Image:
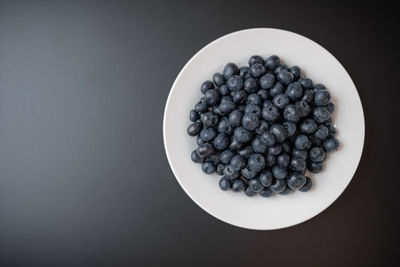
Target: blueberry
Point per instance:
(264, 126)
(266, 178)
(199, 141)
(279, 131)
(250, 85)
(248, 174)
(202, 99)
(235, 144)
(213, 158)
(308, 96)
(328, 122)
(285, 77)
(295, 70)
(322, 132)
(225, 127)
(315, 141)
(253, 109)
(277, 89)
(256, 59)
(226, 98)
(242, 135)
(332, 130)
(267, 104)
(225, 183)
(224, 90)
(230, 173)
(279, 172)
(316, 154)
(235, 83)
(225, 156)
(291, 113)
(256, 162)
(267, 81)
(213, 97)
(294, 91)
(205, 149)
(238, 162)
(257, 70)
(303, 107)
(307, 185)
(272, 62)
(194, 115)
(254, 99)
(264, 94)
(195, 157)
(209, 119)
(320, 114)
(306, 83)
(267, 192)
(314, 167)
(270, 160)
(299, 154)
(218, 79)
(258, 146)
(215, 110)
(235, 118)
(280, 101)
(206, 86)
(298, 164)
(279, 68)
(296, 180)
(226, 107)
(194, 128)
(238, 185)
(221, 142)
(229, 70)
(290, 127)
(241, 108)
(248, 192)
(255, 185)
(239, 96)
(246, 151)
(285, 192)
(302, 142)
(275, 150)
(308, 126)
(244, 72)
(319, 86)
(208, 168)
(220, 169)
(270, 113)
(283, 160)
(278, 185)
(267, 138)
(201, 107)
(331, 144)
(208, 134)
(250, 121)
(321, 97)
(330, 107)
(286, 147)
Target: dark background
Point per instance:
(84, 180)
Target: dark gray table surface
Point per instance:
(84, 180)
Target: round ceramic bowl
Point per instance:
(277, 211)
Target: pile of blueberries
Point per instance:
(261, 127)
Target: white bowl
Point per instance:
(277, 211)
